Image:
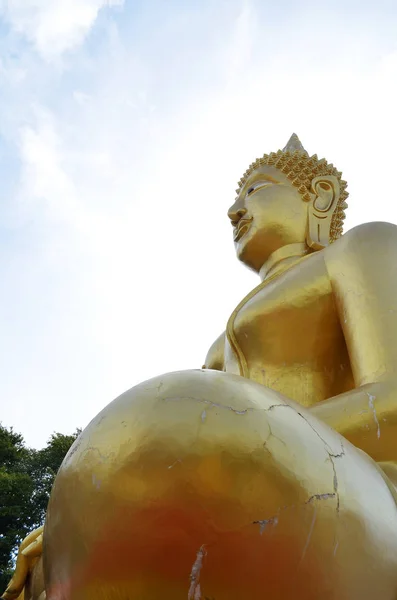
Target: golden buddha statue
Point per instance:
(269, 473)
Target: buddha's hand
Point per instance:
(30, 549)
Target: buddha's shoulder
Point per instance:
(368, 239)
(377, 230)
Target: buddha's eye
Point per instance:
(258, 185)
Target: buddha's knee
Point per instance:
(213, 476)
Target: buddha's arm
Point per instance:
(363, 271)
(215, 355)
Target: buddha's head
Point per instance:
(287, 197)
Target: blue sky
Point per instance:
(124, 129)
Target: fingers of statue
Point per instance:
(35, 548)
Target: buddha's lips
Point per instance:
(241, 229)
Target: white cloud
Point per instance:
(53, 26)
(244, 32)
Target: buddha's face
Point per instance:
(268, 213)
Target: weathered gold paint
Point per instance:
(270, 472)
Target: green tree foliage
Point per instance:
(26, 479)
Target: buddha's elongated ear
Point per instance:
(324, 201)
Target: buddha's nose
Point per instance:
(236, 212)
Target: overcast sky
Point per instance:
(124, 128)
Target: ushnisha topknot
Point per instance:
(301, 169)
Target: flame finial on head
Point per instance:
(294, 145)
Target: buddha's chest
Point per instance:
(287, 336)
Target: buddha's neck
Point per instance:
(282, 258)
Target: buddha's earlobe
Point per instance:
(324, 201)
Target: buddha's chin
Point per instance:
(249, 261)
(248, 253)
